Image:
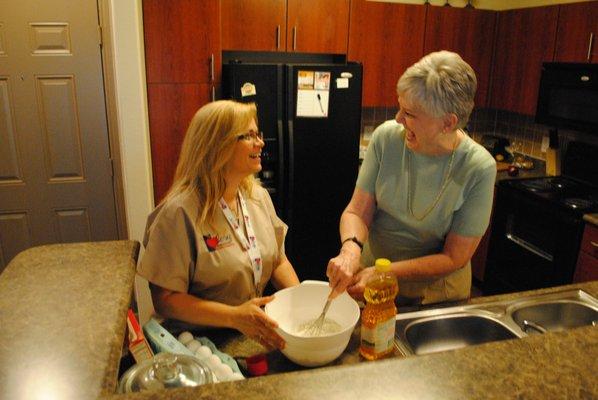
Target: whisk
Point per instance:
(315, 328)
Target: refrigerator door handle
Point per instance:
(281, 173)
(291, 175)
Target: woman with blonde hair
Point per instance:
(214, 242)
(424, 192)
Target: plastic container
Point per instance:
(378, 316)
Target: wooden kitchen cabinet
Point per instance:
(524, 39)
(577, 33)
(170, 108)
(587, 262)
(386, 38)
(468, 32)
(307, 26)
(182, 41)
(183, 67)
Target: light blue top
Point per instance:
(464, 207)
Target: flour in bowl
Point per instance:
(328, 327)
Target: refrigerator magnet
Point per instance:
(342, 83)
(248, 89)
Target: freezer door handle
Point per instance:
(281, 173)
(291, 179)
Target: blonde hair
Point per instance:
(441, 83)
(208, 146)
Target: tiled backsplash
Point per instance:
(525, 136)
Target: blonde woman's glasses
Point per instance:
(251, 136)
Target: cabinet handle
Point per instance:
(295, 37)
(594, 244)
(213, 93)
(211, 67)
(277, 37)
(590, 43)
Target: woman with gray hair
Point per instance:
(424, 193)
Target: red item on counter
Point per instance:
(138, 345)
(257, 365)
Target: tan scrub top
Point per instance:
(209, 261)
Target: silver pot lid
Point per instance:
(165, 370)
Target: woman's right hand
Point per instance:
(251, 320)
(341, 269)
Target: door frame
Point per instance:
(123, 64)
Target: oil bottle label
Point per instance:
(379, 338)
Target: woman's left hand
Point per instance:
(357, 287)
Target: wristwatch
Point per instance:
(354, 240)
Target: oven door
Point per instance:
(533, 243)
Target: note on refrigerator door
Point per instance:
(313, 90)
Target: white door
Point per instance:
(55, 166)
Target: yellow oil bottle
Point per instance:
(378, 316)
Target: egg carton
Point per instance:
(224, 366)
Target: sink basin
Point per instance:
(554, 316)
(439, 329)
(453, 332)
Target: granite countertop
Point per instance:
(553, 365)
(63, 318)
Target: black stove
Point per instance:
(568, 193)
(538, 224)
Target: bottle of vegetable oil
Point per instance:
(378, 316)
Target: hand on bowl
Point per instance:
(249, 319)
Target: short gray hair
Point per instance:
(441, 83)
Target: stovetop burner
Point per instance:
(579, 204)
(572, 194)
(548, 184)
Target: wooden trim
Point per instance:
(107, 49)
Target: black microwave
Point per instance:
(568, 96)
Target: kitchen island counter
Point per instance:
(554, 365)
(63, 319)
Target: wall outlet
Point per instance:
(544, 145)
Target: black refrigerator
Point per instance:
(310, 115)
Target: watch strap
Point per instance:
(354, 240)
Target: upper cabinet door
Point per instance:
(525, 38)
(468, 32)
(577, 33)
(318, 26)
(387, 38)
(258, 25)
(182, 40)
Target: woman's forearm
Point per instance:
(188, 308)
(423, 268)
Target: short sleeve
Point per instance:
(170, 250)
(280, 228)
(473, 216)
(368, 173)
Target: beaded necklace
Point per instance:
(445, 182)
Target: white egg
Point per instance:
(213, 361)
(185, 338)
(193, 345)
(223, 372)
(203, 352)
(237, 376)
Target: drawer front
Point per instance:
(589, 242)
(587, 268)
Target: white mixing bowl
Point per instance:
(294, 306)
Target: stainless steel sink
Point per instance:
(554, 316)
(454, 331)
(451, 328)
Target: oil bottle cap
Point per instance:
(382, 264)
